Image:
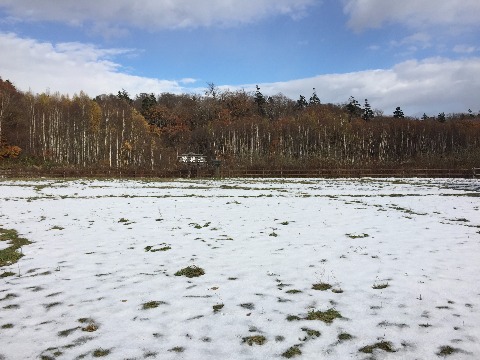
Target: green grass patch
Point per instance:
(248, 306)
(190, 272)
(56, 227)
(447, 350)
(325, 316)
(152, 304)
(292, 352)
(293, 291)
(7, 326)
(150, 248)
(311, 333)
(6, 274)
(255, 340)
(293, 318)
(460, 220)
(149, 354)
(198, 226)
(344, 337)
(165, 248)
(357, 236)
(11, 254)
(50, 305)
(101, 352)
(217, 308)
(321, 286)
(382, 345)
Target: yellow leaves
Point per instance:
(127, 146)
(139, 120)
(95, 116)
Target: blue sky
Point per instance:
(422, 55)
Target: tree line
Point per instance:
(242, 129)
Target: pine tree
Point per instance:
(367, 112)
(314, 100)
(441, 117)
(398, 113)
(302, 102)
(147, 101)
(260, 101)
(424, 116)
(123, 95)
(353, 107)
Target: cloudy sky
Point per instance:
(422, 55)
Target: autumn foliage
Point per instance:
(10, 152)
(241, 129)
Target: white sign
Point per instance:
(192, 159)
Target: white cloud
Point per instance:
(70, 68)
(432, 86)
(187, 81)
(153, 14)
(414, 13)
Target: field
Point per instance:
(240, 269)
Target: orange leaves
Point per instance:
(10, 152)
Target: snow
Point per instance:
(255, 239)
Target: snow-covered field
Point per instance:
(401, 257)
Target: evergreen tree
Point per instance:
(302, 102)
(314, 100)
(441, 117)
(123, 95)
(260, 101)
(367, 112)
(424, 116)
(398, 113)
(147, 101)
(353, 107)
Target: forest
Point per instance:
(241, 129)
